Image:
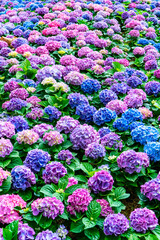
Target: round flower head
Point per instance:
(78, 201)
(101, 181)
(115, 224)
(151, 189)
(65, 155)
(144, 134)
(19, 122)
(152, 88)
(85, 112)
(132, 161)
(76, 99)
(19, 93)
(53, 172)
(103, 131)
(153, 150)
(74, 78)
(146, 112)
(66, 124)
(22, 177)
(107, 95)
(133, 101)
(132, 115)
(37, 159)
(14, 104)
(95, 151)
(71, 181)
(83, 135)
(10, 86)
(134, 81)
(7, 129)
(6, 147)
(105, 207)
(103, 115)
(47, 235)
(90, 86)
(117, 105)
(50, 207)
(112, 140)
(27, 137)
(138, 92)
(7, 205)
(52, 112)
(53, 138)
(143, 219)
(121, 124)
(25, 232)
(62, 232)
(139, 51)
(135, 124)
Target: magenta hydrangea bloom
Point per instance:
(53, 172)
(10, 86)
(83, 135)
(71, 181)
(115, 224)
(7, 205)
(95, 150)
(6, 147)
(42, 128)
(3, 175)
(101, 181)
(53, 138)
(117, 105)
(66, 124)
(50, 207)
(19, 93)
(132, 161)
(105, 207)
(7, 129)
(74, 78)
(78, 201)
(143, 219)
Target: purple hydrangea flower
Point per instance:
(105, 207)
(115, 224)
(103, 131)
(112, 140)
(67, 124)
(76, 99)
(6, 147)
(19, 122)
(62, 232)
(49, 235)
(15, 104)
(95, 150)
(86, 112)
(103, 115)
(151, 189)
(53, 172)
(22, 177)
(52, 112)
(65, 155)
(25, 232)
(42, 128)
(107, 95)
(132, 161)
(152, 88)
(101, 181)
(37, 159)
(143, 219)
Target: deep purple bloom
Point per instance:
(95, 150)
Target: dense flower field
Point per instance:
(79, 120)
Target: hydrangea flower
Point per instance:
(153, 150)
(40, 129)
(103, 115)
(86, 112)
(76, 99)
(7, 129)
(22, 178)
(121, 124)
(52, 112)
(115, 224)
(132, 115)
(103, 131)
(144, 134)
(105, 207)
(71, 181)
(53, 138)
(27, 137)
(83, 135)
(90, 86)
(65, 155)
(62, 232)
(66, 124)
(3, 175)
(53, 172)
(143, 219)
(132, 161)
(50, 207)
(25, 232)
(151, 189)
(95, 150)
(152, 88)
(6, 147)
(47, 234)
(19, 122)
(117, 105)
(112, 140)
(107, 95)
(78, 201)
(37, 159)
(101, 181)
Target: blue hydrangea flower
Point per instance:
(86, 112)
(90, 86)
(19, 122)
(76, 99)
(143, 41)
(121, 124)
(29, 83)
(103, 131)
(107, 95)
(135, 124)
(144, 134)
(153, 150)
(53, 113)
(103, 115)
(132, 115)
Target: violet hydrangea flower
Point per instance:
(95, 150)
(105, 207)
(53, 172)
(67, 124)
(143, 219)
(101, 181)
(65, 155)
(49, 235)
(53, 138)
(6, 147)
(115, 224)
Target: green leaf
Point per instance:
(19, 74)
(48, 190)
(63, 182)
(7, 234)
(6, 185)
(151, 237)
(156, 231)
(118, 67)
(92, 234)
(86, 167)
(71, 189)
(11, 231)
(88, 223)
(133, 237)
(131, 177)
(120, 193)
(64, 215)
(28, 216)
(94, 210)
(37, 218)
(26, 195)
(81, 178)
(77, 227)
(15, 162)
(45, 222)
